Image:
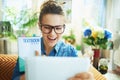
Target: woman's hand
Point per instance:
(22, 77)
(36, 53)
(83, 76)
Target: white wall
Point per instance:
(116, 14)
(113, 16)
(116, 8)
(0, 10)
(77, 15)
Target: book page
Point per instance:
(26, 48)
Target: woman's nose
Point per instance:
(52, 32)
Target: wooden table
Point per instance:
(97, 74)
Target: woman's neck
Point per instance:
(47, 49)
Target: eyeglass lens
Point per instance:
(48, 28)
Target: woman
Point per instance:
(52, 25)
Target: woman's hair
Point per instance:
(50, 7)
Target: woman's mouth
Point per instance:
(52, 39)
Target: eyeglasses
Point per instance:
(59, 29)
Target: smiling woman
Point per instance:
(51, 44)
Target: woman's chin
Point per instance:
(51, 44)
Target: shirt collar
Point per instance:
(56, 48)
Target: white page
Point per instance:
(55, 68)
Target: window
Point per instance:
(97, 11)
(11, 8)
(21, 14)
(92, 11)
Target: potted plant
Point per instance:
(70, 38)
(103, 67)
(5, 29)
(97, 38)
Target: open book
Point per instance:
(26, 48)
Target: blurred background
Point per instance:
(20, 18)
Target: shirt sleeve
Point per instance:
(68, 50)
(73, 51)
(17, 73)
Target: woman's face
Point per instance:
(52, 27)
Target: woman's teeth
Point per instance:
(52, 38)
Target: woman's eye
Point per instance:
(46, 27)
(58, 28)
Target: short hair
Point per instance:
(50, 7)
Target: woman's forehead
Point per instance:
(53, 19)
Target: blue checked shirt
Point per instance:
(60, 49)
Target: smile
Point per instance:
(52, 38)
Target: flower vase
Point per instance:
(105, 54)
(96, 57)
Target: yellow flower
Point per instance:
(94, 34)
